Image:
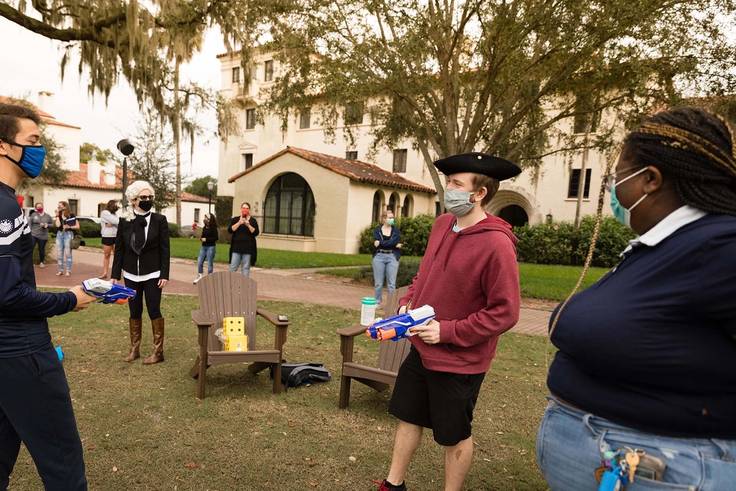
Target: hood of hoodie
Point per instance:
(489, 224)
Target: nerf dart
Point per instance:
(399, 326)
(108, 292)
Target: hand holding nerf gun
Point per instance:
(399, 326)
(107, 292)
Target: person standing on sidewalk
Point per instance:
(208, 248)
(66, 224)
(386, 254)
(142, 259)
(470, 276)
(40, 223)
(243, 247)
(35, 404)
(109, 223)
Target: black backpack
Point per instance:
(296, 374)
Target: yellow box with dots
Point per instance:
(233, 328)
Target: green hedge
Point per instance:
(561, 243)
(407, 271)
(89, 229)
(553, 243)
(414, 235)
(174, 230)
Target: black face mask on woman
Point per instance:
(145, 205)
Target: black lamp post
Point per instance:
(210, 188)
(126, 148)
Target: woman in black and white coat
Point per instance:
(142, 259)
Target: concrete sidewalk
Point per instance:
(273, 284)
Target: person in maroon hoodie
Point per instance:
(470, 276)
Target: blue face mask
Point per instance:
(622, 214)
(390, 221)
(31, 160)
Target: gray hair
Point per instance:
(133, 190)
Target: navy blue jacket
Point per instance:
(651, 345)
(388, 244)
(23, 310)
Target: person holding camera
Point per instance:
(243, 247)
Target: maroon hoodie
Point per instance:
(471, 278)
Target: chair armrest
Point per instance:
(271, 317)
(202, 319)
(352, 331)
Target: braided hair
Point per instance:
(693, 148)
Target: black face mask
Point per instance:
(145, 205)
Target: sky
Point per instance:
(30, 63)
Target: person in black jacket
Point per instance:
(35, 405)
(243, 249)
(209, 243)
(142, 258)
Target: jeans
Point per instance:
(570, 443)
(206, 252)
(242, 260)
(385, 265)
(41, 248)
(64, 250)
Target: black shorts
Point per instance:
(108, 241)
(441, 401)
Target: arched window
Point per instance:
(408, 209)
(377, 207)
(393, 203)
(289, 207)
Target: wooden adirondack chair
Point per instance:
(225, 294)
(390, 357)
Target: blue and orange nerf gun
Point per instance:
(399, 326)
(108, 292)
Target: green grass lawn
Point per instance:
(543, 281)
(267, 258)
(143, 429)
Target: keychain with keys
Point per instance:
(632, 462)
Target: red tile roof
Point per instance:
(78, 179)
(46, 117)
(194, 198)
(355, 170)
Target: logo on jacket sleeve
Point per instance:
(6, 226)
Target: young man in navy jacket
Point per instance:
(35, 406)
(470, 277)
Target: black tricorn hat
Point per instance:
(480, 163)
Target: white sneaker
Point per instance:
(59, 273)
(41, 265)
(68, 273)
(199, 277)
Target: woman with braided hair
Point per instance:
(643, 385)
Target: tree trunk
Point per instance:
(177, 142)
(581, 181)
(435, 175)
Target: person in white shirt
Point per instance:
(109, 230)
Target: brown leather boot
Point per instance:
(158, 342)
(136, 330)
